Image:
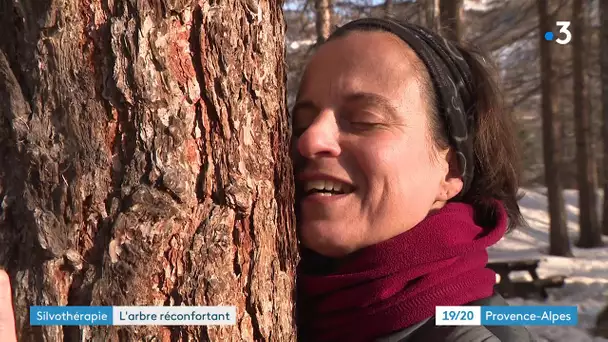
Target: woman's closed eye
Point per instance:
(364, 124)
(362, 120)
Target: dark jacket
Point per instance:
(427, 331)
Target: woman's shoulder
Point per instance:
(426, 330)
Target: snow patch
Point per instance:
(587, 282)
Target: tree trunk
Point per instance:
(604, 72)
(601, 323)
(323, 22)
(559, 243)
(144, 161)
(450, 19)
(430, 10)
(591, 71)
(590, 232)
(388, 8)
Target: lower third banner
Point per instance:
(132, 315)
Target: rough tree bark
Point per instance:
(590, 231)
(144, 161)
(323, 10)
(559, 243)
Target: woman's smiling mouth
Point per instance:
(326, 187)
(318, 184)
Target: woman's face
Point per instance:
(364, 156)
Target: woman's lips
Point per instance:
(321, 198)
(323, 184)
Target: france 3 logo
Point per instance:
(564, 34)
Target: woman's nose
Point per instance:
(320, 139)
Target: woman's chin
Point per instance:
(327, 241)
(331, 251)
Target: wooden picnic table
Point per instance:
(522, 288)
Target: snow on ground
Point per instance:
(587, 282)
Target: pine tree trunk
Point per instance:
(590, 232)
(430, 10)
(323, 19)
(144, 161)
(604, 72)
(450, 18)
(559, 243)
(388, 8)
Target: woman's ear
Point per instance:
(452, 183)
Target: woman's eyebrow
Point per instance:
(375, 100)
(358, 97)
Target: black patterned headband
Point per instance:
(451, 77)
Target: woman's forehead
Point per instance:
(361, 62)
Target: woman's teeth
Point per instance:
(326, 187)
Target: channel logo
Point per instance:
(564, 34)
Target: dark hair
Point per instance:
(495, 148)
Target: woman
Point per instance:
(406, 172)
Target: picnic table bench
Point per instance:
(522, 288)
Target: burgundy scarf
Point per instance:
(397, 283)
